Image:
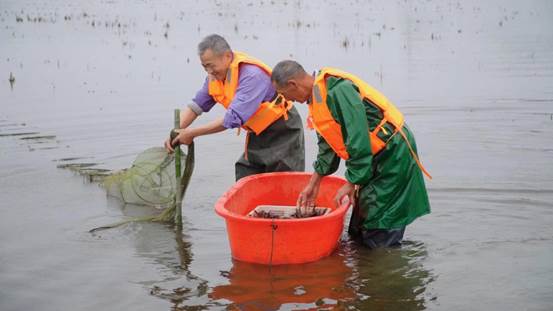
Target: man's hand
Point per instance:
(177, 137)
(185, 137)
(347, 190)
(187, 116)
(307, 198)
(167, 145)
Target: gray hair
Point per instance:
(215, 43)
(286, 70)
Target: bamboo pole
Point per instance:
(178, 194)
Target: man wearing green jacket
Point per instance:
(358, 124)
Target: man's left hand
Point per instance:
(347, 190)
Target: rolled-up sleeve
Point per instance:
(254, 87)
(202, 102)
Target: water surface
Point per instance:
(93, 84)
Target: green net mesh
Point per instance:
(149, 181)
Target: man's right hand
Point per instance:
(308, 196)
(167, 145)
(187, 116)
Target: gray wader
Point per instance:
(279, 148)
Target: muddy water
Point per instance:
(91, 85)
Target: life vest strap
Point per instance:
(381, 126)
(414, 154)
(397, 129)
(287, 106)
(246, 145)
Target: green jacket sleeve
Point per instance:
(348, 110)
(327, 160)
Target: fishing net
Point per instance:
(151, 181)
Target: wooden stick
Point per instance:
(178, 194)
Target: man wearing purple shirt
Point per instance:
(279, 147)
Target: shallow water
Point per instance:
(94, 84)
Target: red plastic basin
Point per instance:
(280, 241)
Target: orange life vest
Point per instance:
(322, 120)
(223, 92)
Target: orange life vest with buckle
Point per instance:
(323, 122)
(223, 92)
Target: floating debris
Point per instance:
(76, 166)
(92, 175)
(19, 134)
(69, 159)
(12, 80)
(95, 175)
(345, 43)
(40, 137)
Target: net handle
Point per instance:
(178, 194)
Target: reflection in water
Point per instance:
(172, 258)
(392, 278)
(351, 278)
(183, 248)
(182, 297)
(260, 287)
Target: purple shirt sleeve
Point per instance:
(254, 87)
(203, 99)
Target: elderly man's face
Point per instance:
(293, 91)
(216, 65)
